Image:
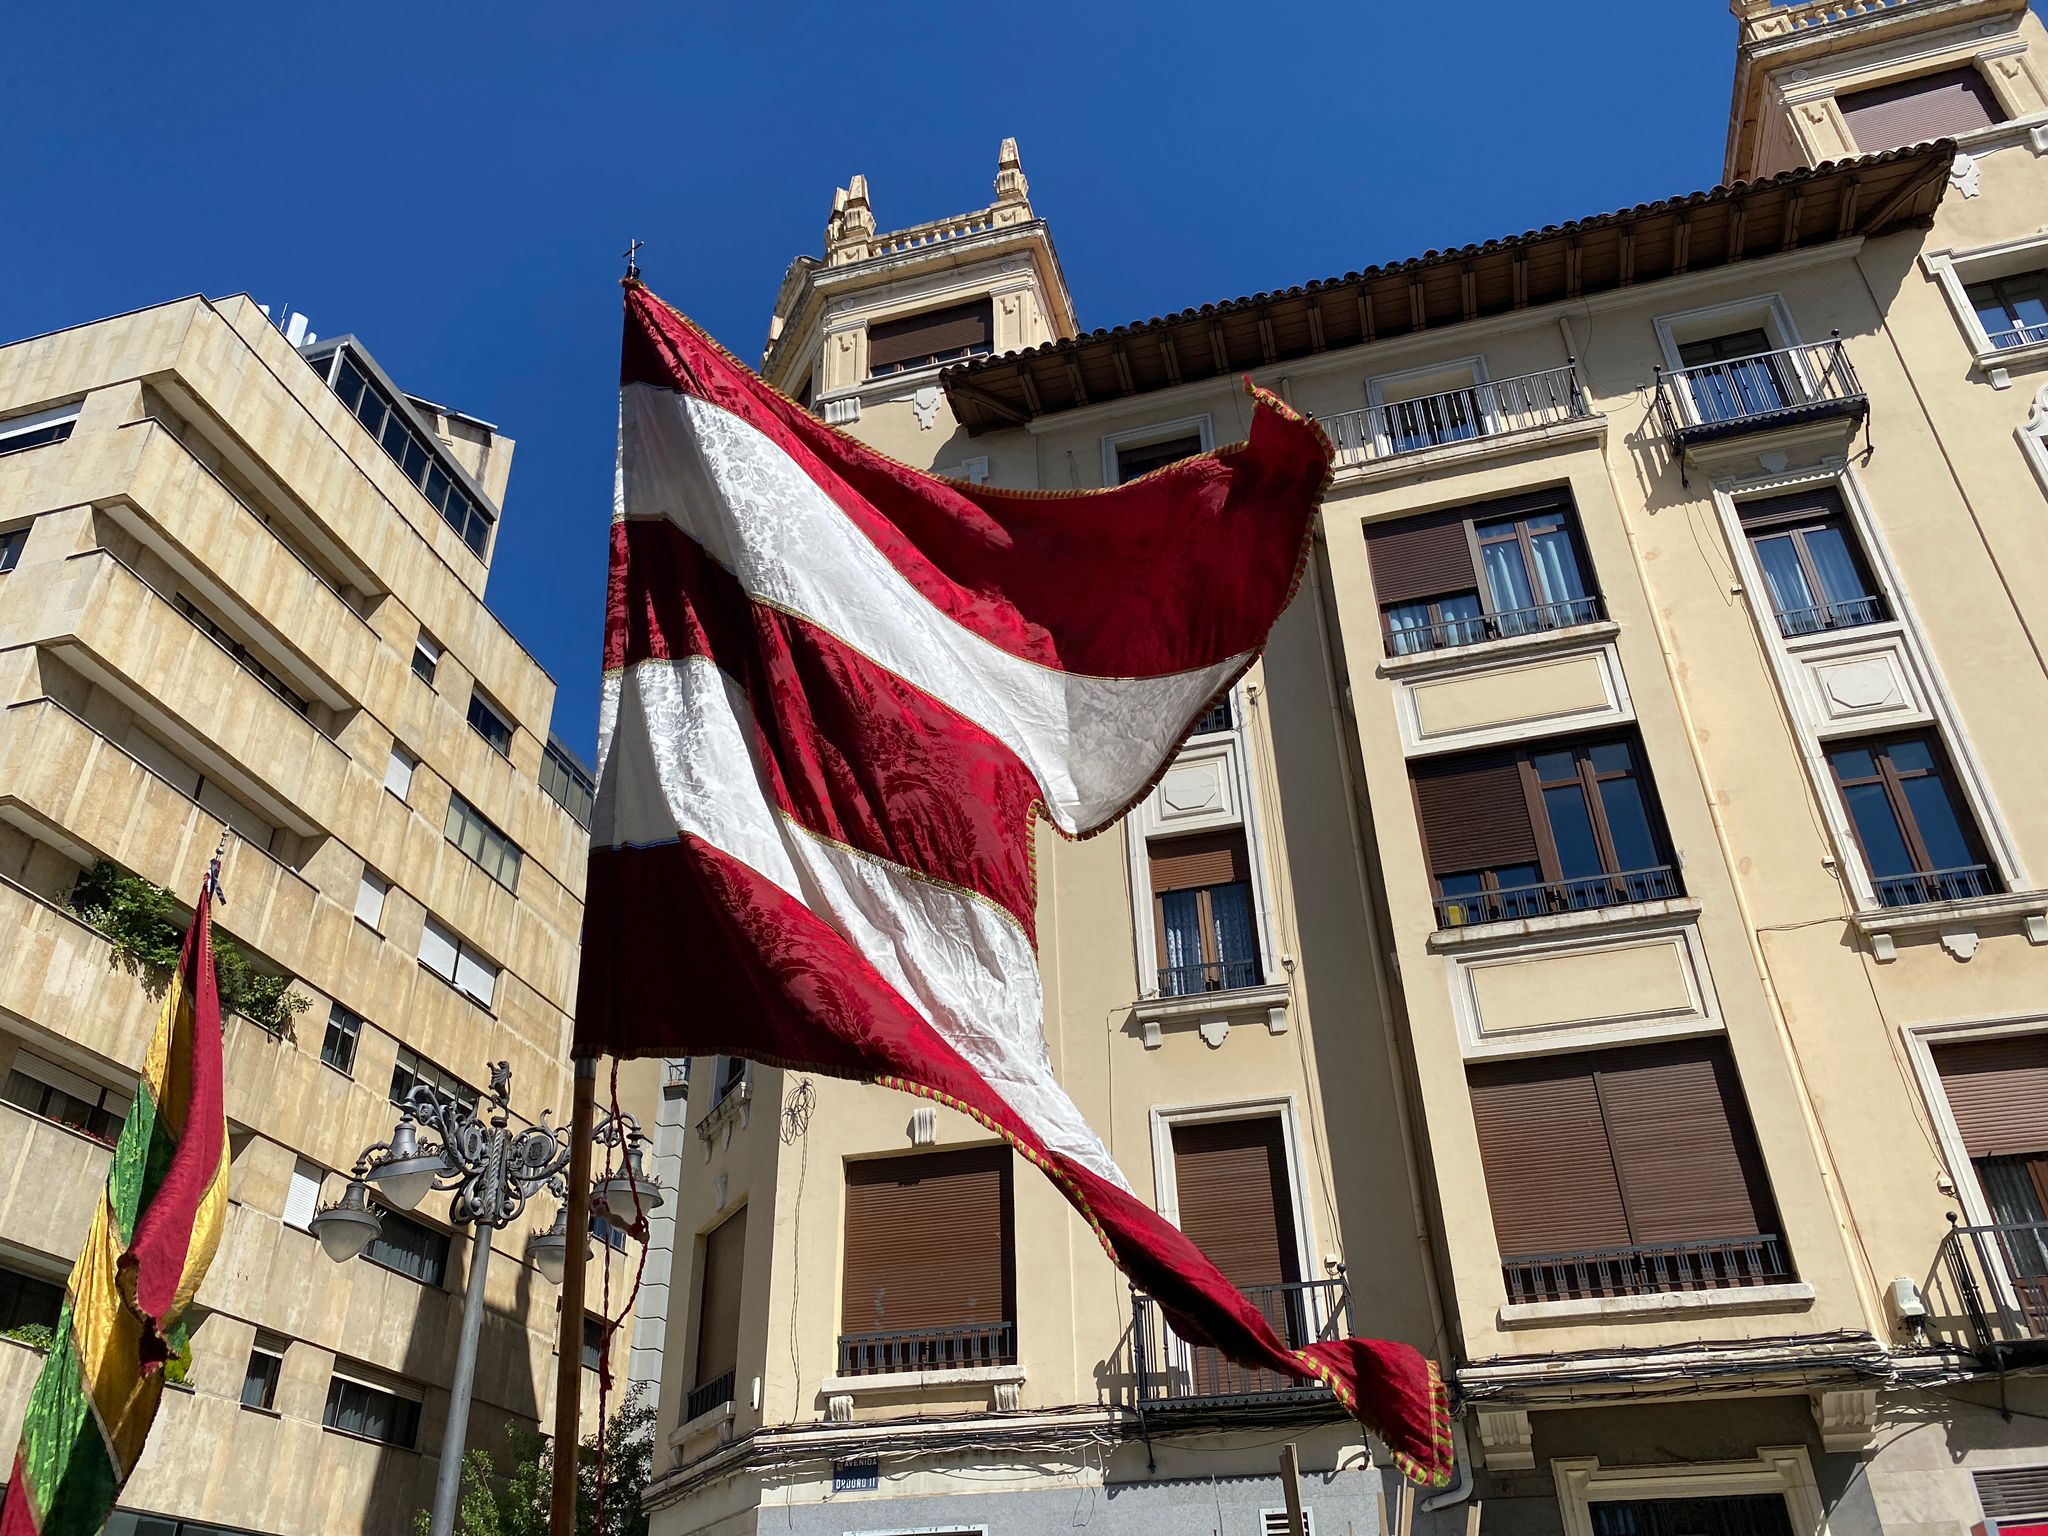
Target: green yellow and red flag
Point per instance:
(158, 1224)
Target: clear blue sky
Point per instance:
(454, 183)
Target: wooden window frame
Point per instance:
(1798, 524)
(1205, 917)
(1971, 288)
(1902, 811)
(1517, 510)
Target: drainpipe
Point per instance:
(1461, 1490)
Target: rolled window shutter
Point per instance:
(1189, 863)
(1936, 106)
(1682, 1142)
(915, 337)
(928, 1242)
(1474, 813)
(1998, 1092)
(1235, 1199)
(1809, 501)
(718, 1309)
(1420, 557)
(1549, 1173)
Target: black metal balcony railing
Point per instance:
(1851, 613)
(1449, 634)
(1749, 394)
(1211, 976)
(1722, 1264)
(1169, 1371)
(1457, 415)
(2023, 334)
(930, 1349)
(713, 1394)
(1998, 1275)
(1584, 895)
(1927, 887)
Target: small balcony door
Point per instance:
(1737, 376)
(1997, 1091)
(1236, 1201)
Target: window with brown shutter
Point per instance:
(930, 1263)
(1997, 1091)
(1936, 106)
(1623, 1172)
(718, 1313)
(1204, 928)
(1237, 1205)
(936, 336)
(1496, 570)
(1813, 566)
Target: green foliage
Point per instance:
(34, 1335)
(516, 1504)
(146, 925)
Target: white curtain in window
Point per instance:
(438, 950)
(1230, 908)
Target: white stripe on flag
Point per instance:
(1092, 742)
(682, 730)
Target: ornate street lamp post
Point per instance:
(493, 1171)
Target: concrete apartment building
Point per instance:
(1602, 942)
(243, 590)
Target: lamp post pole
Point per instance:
(491, 1171)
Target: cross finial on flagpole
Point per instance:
(632, 255)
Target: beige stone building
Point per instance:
(1602, 943)
(243, 591)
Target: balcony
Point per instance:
(1211, 976)
(1790, 387)
(1997, 1276)
(712, 1395)
(1654, 1269)
(1590, 894)
(2022, 334)
(1513, 624)
(1171, 1373)
(929, 1349)
(1929, 887)
(1824, 618)
(1498, 408)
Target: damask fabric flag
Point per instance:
(837, 691)
(158, 1224)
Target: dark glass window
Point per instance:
(27, 1302)
(1142, 459)
(259, 1381)
(411, 1068)
(1217, 717)
(1734, 376)
(1813, 568)
(593, 1342)
(356, 1409)
(1740, 1514)
(2013, 310)
(476, 835)
(486, 720)
(612, 1237)
(56, 1093)
(12, 542)
(426, 659)
(564, 780)
(243, 658)
(420, 461)
(37, 430)
(338, 1046)
(409, 1247)
(1206, 929)
(1915, 836)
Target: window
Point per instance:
(37, 428)
(338, 1045)
(1936, 106)
(57, 1093)
(426, 658)
(1204, 929)
(370, 893)
(1813, 567)
(490, 723)
(1625, 1172)
(732, 1071)
(409, 1248)
(718, 1315)
(357, 1408)
(2015, 1500)
(259, 1380)
(936, 336)
(495, 853)
(1562, 827)
(12, 542)
(1916, 840)
(1735, 1514)
(1273, 1522)
(456, 963)
(612, 1237)
(2013, 311)
(1488, 572)
(1218, 717)
(566, 781)
(398, 771)
(1138, 459)
(930, 1264)
(593, 1342)
(27, 1301)
(1735, 376)
(1997, 1091)
(243, 658)
(424, 462)
(302, 1197)
(412, 1069)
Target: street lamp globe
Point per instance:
(631, 1183)
(404, 1174)
(346, 1227)
(549, 1250)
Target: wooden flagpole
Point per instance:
(569, 1334)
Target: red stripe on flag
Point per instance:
(852, 751)
(1182, 569)
(769, 980)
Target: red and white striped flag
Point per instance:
(836, 692)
